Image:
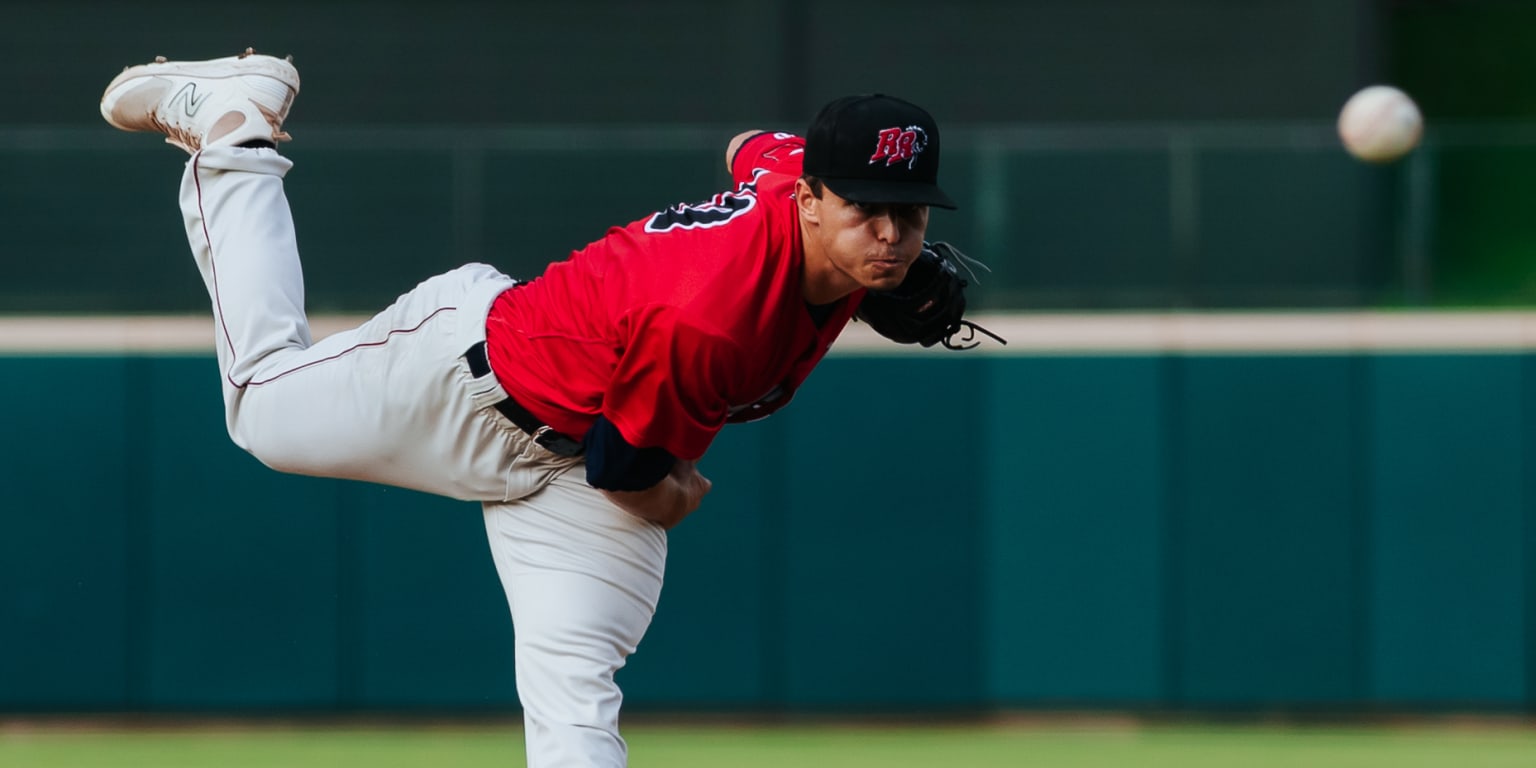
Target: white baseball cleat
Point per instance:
(201, 104)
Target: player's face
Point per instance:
(867, 245)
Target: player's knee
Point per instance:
(265, 447)
(257, 448)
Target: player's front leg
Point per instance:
(582, 578)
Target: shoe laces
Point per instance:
(175, 134)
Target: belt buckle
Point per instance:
(557, 443)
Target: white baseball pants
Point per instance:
(393, 401)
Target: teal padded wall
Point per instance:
(1156, 532)
(72, 530)
(425, 621)
(1076, 501)
(1450, 523)
(1263, 534)
(239, 596)
(879, 561)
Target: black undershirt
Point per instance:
(615, 465)
(820, 313)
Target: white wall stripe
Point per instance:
(1027, 333)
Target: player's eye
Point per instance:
(901, 211)
(872, 210)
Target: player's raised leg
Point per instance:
(391, 401)
(582, 578)
(218, 105)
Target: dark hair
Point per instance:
(816, 184)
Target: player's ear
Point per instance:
(807, 201)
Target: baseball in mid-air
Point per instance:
(1380, 123)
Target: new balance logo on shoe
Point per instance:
(203, 104)
(188, 100)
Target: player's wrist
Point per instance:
(669, 501)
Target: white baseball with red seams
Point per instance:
(1380, 124)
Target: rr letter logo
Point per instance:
(895, 145)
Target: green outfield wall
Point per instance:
(1105, 153)
(1154, 531)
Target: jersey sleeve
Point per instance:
(613, 464)
(671, 387)
(768, 151)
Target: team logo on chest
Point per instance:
(721, 209)
(900, 145)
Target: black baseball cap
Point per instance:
(875, 148)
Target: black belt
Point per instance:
(555, 442)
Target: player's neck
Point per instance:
(820, 281)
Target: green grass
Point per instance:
(751, 747)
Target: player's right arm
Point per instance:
(649, 483)
(669, 501)
(664, 405)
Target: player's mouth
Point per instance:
(887, 269)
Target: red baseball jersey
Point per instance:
(676, 324)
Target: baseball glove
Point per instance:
(928, 307)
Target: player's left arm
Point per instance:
(928, 307)
(772, 151)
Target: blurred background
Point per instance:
(1152, 530)
(1107, 154)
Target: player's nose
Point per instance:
(887, 227)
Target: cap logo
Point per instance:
(897, 145)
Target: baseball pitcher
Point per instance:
(575, 405)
